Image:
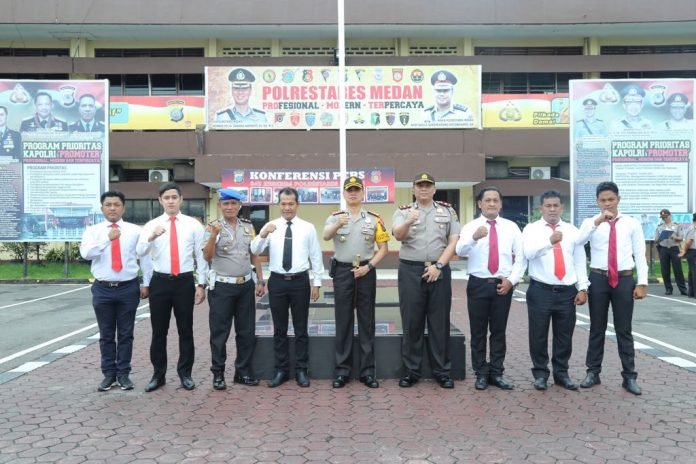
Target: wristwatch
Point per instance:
(439, 265)
(370, 266)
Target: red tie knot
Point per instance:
(491, 222)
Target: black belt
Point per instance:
(625, 273)
(553, 288)
(362, 263)
(417, 263)
(107, 284)
(294, 276)
(183, 275)
(488, 280)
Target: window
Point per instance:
(524, 83)
(141, 211)
(38, 77)
(34, 52)
(649, 75)
(528, 51)
(147, 52)
(154, 84)
(647, 49)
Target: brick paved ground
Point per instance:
(54, 414)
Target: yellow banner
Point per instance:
(525, 111)
(164, 113)
(377, 97)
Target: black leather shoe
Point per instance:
(279, 379)
(106, 384)
(631, 386)
(590, 380)
(125, 382)
(247, 380)
(340, 381)
(369, 381)
(154, 384)
(683, 292)
(219, 381)
(668, 291)
(500, 382)
(565, 382)
(445, 381)
(187, 382)
(408, 380)
(481, 383)
(302, 378)
(540, 383)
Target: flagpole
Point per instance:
(341, 54)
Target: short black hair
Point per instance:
(169, 186)
(87, 95)
(112, 193)
(604, 186)
(289, 191)
(550, 194)
(38, 94)
(490, 188)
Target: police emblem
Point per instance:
(307, 75)
(279, 118)
(358, 73)
(176, 114)
(397, 74)
(376, 177)
(417, 76)
(269, 75)
(288, 76)
(391, 118)
(342, 238)
(294, 119)
(326, 73)
(374, 119)
(403, 118)
(310, 119)
(326, 119)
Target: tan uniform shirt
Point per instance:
(231, 257)
(429, 235)
(358, 236)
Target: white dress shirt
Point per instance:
(511, 261)
(305, 248)
(539, 253)
(96, 247)
(630, 245)
(189, 236)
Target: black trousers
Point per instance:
(115, 309)
(230, 302)
(167, 294)
(354, 296)
(621, 299)
(550, 305)
(691, 279)
(292, 295)
(670, 257)
(419, 302)
(488, 311)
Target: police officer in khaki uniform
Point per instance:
(355, 233)
(241, 112)
(428, 231)
(231, 289)
(668, 236)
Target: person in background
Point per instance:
(668, 236)
(689, 251)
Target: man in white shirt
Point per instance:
(496, 264)
(110, 245)
(172, 240)
(558, 281)
(615, 242)
(293, 245)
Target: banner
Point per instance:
(377, 97)
(54, 158)
(156, 113)
(525, 111)
(320, 186)
(638, 134)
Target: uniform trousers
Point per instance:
(115, 308)
(691, 280)
(488, 311)
(230, 302)
(167, 293)
(352, 296)
(550, 304)
(292, 295)
(419, 302)
(601, 294)
(669, 257)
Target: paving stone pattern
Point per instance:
(54, 414)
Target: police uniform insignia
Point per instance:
(404, 206)
(367, 220)
(439, 210)
(336, 213)
(342, 238)
(240, 76)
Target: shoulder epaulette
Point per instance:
(336, 213)
(224, 110)
(258, 111)
(430, 108)
(443, 203)
(373, 213)
(457, 106)
(405, 206)
(244, 220)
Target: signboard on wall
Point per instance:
(156, 113)
(54, 158)
(320, 186)
(377, 97)
(529, 111)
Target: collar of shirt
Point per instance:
(541, 266)
(510, 252)
(101, 264)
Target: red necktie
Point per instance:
(174, 247)
(116, 264)
(558, 261)
(613, 261)
(493, 248)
